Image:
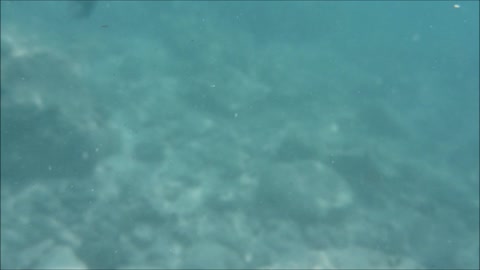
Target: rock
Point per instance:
(61, 257)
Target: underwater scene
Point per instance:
(239, 134)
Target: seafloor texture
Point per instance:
(189, 146)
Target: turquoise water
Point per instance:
(232, 134)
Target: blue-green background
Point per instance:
(239, 134)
